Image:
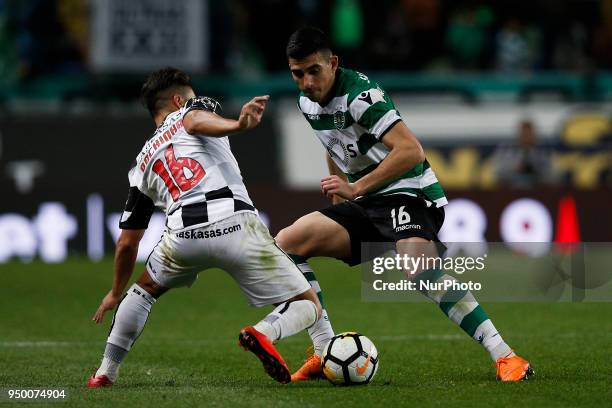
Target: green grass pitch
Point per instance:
(188, 353)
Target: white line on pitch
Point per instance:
(157, 342)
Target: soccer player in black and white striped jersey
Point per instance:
(187, 170)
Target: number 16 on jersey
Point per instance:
(178, 167)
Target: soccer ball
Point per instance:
(350, 358)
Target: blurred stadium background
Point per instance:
(512, 101)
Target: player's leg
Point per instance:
(291, 317)
(288, 318)
(336, 231)
(315, 234)
(128, 323)
(461, 307)
(268, 276)
(169, 266)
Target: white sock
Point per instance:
(492, 341)
(128, 322)
(109, 368)
(288, 319)
(111, 360)
(321, 333)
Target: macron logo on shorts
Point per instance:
(407, 227)
(401, 218)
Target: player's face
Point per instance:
(314, 74)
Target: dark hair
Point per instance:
(306, 41)
(155, 89)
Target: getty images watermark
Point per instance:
(413, 265)
(492, 271)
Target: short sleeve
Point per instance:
(205, 103)
(374, 110)
(138, 207)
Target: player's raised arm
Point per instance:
(203, 120)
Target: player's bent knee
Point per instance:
(150, 285)
(307, 235)
(284, 240)
(415, 247)
(293, 241)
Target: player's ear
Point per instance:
(178, 101)
(333, 60)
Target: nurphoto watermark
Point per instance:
(497, 272)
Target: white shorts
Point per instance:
(242, 246)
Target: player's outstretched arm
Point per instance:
(125, 259)
(405, 152)
(206, 123)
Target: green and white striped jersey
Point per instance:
(351, 127)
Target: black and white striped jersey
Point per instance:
(194, 179)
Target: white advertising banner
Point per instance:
(141, 35)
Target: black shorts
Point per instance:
(385, 219)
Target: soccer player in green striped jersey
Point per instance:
(382, 190)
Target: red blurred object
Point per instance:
(568, 227)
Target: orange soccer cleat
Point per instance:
(513, 368)
(257, 343)
(312, 369)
